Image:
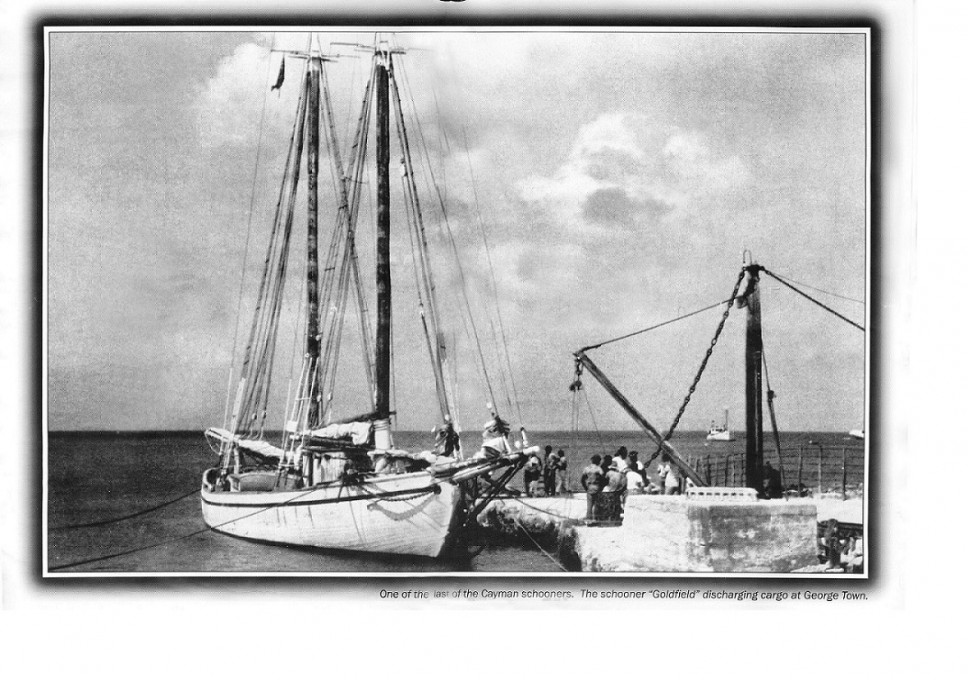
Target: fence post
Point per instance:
(843, 474)
(820, 473)
(800, 471)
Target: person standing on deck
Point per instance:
(592, 480)
(494, 438)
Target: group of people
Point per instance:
(549, 476)
(608, 481)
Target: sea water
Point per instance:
(93, 477)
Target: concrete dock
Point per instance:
(673, 533)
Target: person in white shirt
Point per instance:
(668, 476)
(634, 483)
(621, 460)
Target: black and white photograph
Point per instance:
(478, 300)
(420, 334)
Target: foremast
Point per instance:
(312, 239)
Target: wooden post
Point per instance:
(820, 472)
(754, 382)
(800, 471)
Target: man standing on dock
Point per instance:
(550, 467)
(592, 479)
(614, 492)
(562, 486)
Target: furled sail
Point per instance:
(256, 447)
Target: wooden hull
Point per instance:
(409, 514)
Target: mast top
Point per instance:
(381, 48)
(310, 54)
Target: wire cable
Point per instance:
(652, 328)
(813, 300)
(819, 290)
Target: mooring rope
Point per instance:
(538, 545)
(100, 523)
(131, 551)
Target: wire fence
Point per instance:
(808, 468)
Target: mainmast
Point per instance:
(383, 284)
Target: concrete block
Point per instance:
(679, 534)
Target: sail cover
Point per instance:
(358, 433)
(253, 446)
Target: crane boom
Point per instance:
(640, 420)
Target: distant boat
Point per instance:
(717, 433)
(856, 434)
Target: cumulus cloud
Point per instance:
(691, 161)
(623, 171)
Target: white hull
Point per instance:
(410, 514)
(720, 436)
(856, 434)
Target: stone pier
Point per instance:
(681, 534)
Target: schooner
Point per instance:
(330, 482)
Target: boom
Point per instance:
(674, 456)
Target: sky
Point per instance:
(618, 177)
